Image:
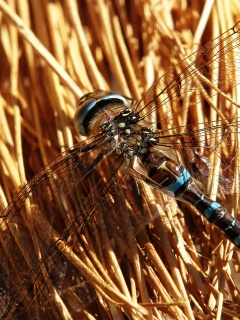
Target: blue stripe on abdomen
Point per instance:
(177, 180)
(183, 178)
(211, 209)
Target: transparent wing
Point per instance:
(210, 73)
(45, 222)
(206, 86)
(209, 151)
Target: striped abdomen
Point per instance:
(175, 179)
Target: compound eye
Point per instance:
(88, 106)
(81, 113)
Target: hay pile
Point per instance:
(141, 255)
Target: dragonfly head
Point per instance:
(95, 108)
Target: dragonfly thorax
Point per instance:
(131, 143)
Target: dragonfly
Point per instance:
(128, 143)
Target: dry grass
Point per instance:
(176, 266)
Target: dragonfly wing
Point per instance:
(207, 150)
(52, 209)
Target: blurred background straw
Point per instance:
(52, 52)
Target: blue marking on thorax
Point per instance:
(210, 210)
(174, 186)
